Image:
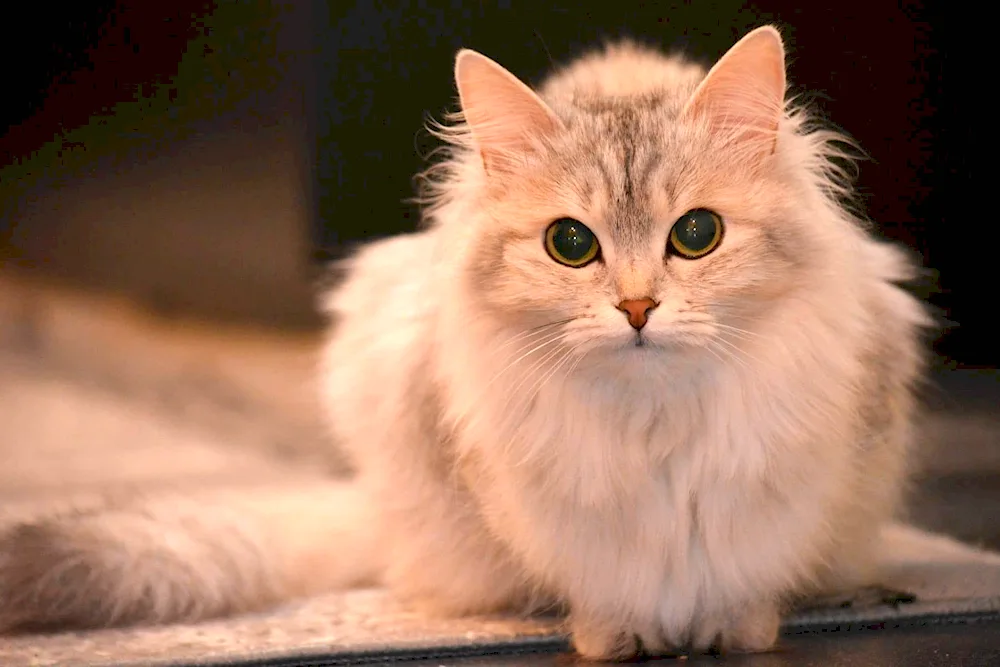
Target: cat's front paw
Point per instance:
(750, 630)
(596, 639)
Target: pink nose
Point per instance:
(637, 310)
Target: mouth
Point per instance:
(638, 343)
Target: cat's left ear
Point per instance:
(744, 93)
(505, 116)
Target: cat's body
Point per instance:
(675, 475)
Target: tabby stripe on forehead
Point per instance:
(626, 127)
(630, 135)
(629, 156)
(609, 183)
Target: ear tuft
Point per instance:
(504, 114)
(744, 93)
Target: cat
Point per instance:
(640, 364)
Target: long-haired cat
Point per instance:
(640, 363)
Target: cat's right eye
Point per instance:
(570, 242)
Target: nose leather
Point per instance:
(637, 311)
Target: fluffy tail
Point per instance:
(184, 558)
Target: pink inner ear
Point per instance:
(502, 112)
(745, 92)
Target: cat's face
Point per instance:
(635, 226)
(620, 218)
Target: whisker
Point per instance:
(737, 330)
(540, 384)
(711, 350)
(729, 354)
(533, 332)
(738, 350)
(540, 362)
(535, 345)
(571, 352)
(562, 321)
(552, 338)
(507, 409)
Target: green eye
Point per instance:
(571, 242)
(696, 233)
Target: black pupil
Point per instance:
(572, 240)
(697, 230)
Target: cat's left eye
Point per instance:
(696, 233)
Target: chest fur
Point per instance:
(685, 490)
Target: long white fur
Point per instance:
(682, 496)
(514, 449)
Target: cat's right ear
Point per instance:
(505, 116)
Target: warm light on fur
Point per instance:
(516, 449)
(525, 451)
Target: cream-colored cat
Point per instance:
(640, 364)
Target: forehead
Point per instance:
(624, 158)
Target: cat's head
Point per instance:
(638, 206)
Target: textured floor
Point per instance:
(95, 395)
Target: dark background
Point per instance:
(349, 85)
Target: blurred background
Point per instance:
(174, 175)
